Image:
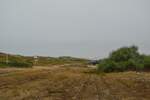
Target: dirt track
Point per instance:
(64, 83)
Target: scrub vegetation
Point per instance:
(10, 60)
(68, 78)
(125, 59)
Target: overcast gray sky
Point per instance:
(80, 28)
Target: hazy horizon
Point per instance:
(78, 28)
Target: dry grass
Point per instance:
(72, 83)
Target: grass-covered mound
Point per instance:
(29, 61)
(124, 59)
(15, 61)
(44, 61)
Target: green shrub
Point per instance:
(107, 66)
(134, 64)
(2, 64)
(124, 54)
(19, 64)
(124, 59)
(147, 62)
(16, 64)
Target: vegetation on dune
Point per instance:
(124, 59)
(15, 61)
(146, 62)
(25, 61)
(59, 61)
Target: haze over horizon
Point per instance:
(78, 28)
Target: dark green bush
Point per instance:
(124, 59)
(124, 54)
(2, 64)
(134, 64)
(107, 66)
(19, 64)
(147, 62)
(16, 64)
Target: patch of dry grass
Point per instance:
(72, 83)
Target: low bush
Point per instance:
(19, 64)
(147, 62)
(2, 64)
(16, 64)
(124, 59)
(107, 66)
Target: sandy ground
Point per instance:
(72, 83)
